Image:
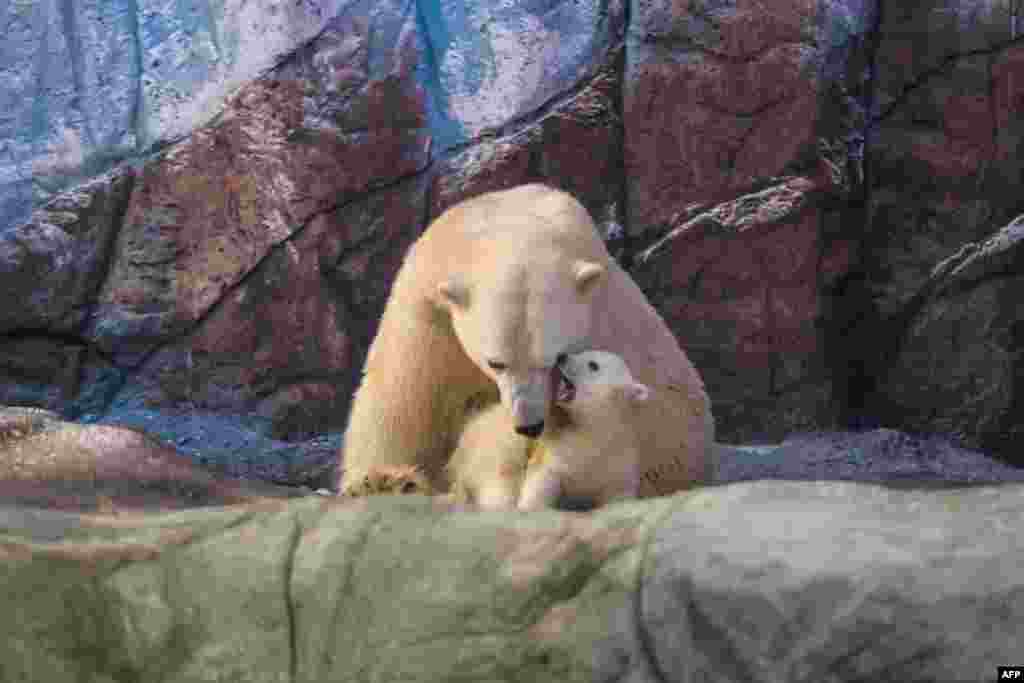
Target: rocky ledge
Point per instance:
(762, 581)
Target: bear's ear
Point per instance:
(454, 293)
(638, 392)
(587, 274)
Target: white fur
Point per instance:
(593, 455)
(516, 277)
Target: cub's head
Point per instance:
(515, 314)
(592, 380)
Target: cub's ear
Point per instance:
(454, 293)
(587, 274)
(638, 392)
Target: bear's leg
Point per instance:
(542, 489)
(410, 403)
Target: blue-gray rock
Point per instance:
(52, 266)
(87, 83)
(882, 456)
(492, 63)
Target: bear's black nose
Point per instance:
(531, 431)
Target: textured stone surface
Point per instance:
(946, 154)
(944, 170)
(286, 344)
(47, 463)
(833, 581)
(717, 96)
(59, 372)
(492, 63)
(960, 369)
(768, 581)
(89, 83)
(218, 203)
(268, 138)
(52, 266)
(51, 270)
(576, 146)
(740, 286)
(883, 456)
(253, 259)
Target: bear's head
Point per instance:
(594, 381)
(515, 321)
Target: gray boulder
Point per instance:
(959, 370)
(883, 456)
(792, 581)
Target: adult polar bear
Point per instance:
(487, 299)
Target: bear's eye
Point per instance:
(561, 358)
(496, 365)
(408, 487)
(594, 367)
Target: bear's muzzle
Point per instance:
(530, 431)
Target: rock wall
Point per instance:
(202, 205)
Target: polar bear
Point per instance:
(495, 290)
(588, 454)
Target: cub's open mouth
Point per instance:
(565, 390)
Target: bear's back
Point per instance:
(519, 217)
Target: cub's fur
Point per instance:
(590, 451)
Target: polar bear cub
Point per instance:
(588, 451)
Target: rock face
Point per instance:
(959, 368)
(943, 173)
(742, 286)
(717, 99)
(89, 83)
(47, 463)
(202, 206)
(164, 284)
(765, 581)
(882, 456)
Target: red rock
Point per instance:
(739, 286)
(712, 107)
(211, 208)
(946, 155)
(294, 332)
(548, 150)
(1008, 88)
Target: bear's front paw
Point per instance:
(390, 480)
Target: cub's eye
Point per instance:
(409, 487)
(561, 358)
(496, 365)
(594, 367)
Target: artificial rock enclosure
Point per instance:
(202, 206)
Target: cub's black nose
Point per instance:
(531, 431)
